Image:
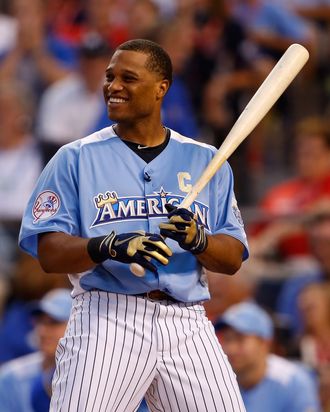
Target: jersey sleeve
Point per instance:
(54, 203)
(229, 220)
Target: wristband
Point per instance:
(202, 242)
(96, 252)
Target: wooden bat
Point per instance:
(283, 73)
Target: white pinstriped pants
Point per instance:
(119, 348)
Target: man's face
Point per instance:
(244, 352)
(49, 332)
(312, 156)
(131, 91)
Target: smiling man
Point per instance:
(108, 200)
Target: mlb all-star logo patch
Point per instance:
(46, 205)
(110, 207)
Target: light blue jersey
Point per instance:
(286, 387)
(98, 184)
(16, 380)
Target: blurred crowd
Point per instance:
(53, 55)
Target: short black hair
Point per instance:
(158, 61)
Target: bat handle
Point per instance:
(139, 270)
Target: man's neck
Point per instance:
(251, 377)
(146, 136)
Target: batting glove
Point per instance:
(134, 247)
(185, 229)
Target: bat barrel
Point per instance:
(285, 70)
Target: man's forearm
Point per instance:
(62, 253)
(222, 255)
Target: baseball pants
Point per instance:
(119, 348)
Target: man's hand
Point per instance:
(133, 247)
(185, 229)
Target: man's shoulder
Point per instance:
(22, 367)
(101, 135)
(285, 372)
(185, 140)
(98, 136)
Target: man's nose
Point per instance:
(114, 85)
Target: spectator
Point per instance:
(36, 57)
(266, 380)
(74, 106)
(21, 161)
(66, 19)
(109, 19)
(28, 283)
(318, 230)
(311, 183)
(324, 385)
(272, 26)
(25, 377)
(20, 157)
(143, 18)
(225, 70)
(279, 238)
(314, 341)
(176, 37)
(314, 307)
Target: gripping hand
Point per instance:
(134, 247)
(185, 229)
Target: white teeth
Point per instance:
(116, 100)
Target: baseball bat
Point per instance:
(280, 77)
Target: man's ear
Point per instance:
(162, 88)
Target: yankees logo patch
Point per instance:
(45, 206)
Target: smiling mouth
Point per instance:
(116, 100)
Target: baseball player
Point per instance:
(108, 200)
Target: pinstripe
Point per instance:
(87, 349)
(201, 361)
(187, 352)
(112, 353)
(192, 361)
(135, 368)
(211, 366)
(168, 351)
(78, 355)
(96, 347)
(173, 325)
(59, 356)
(162, 349)
(130, 352)
(121, 354)
(72, 325)
(104, 352)
(151, 399)
(159, 396)
(234, 387)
